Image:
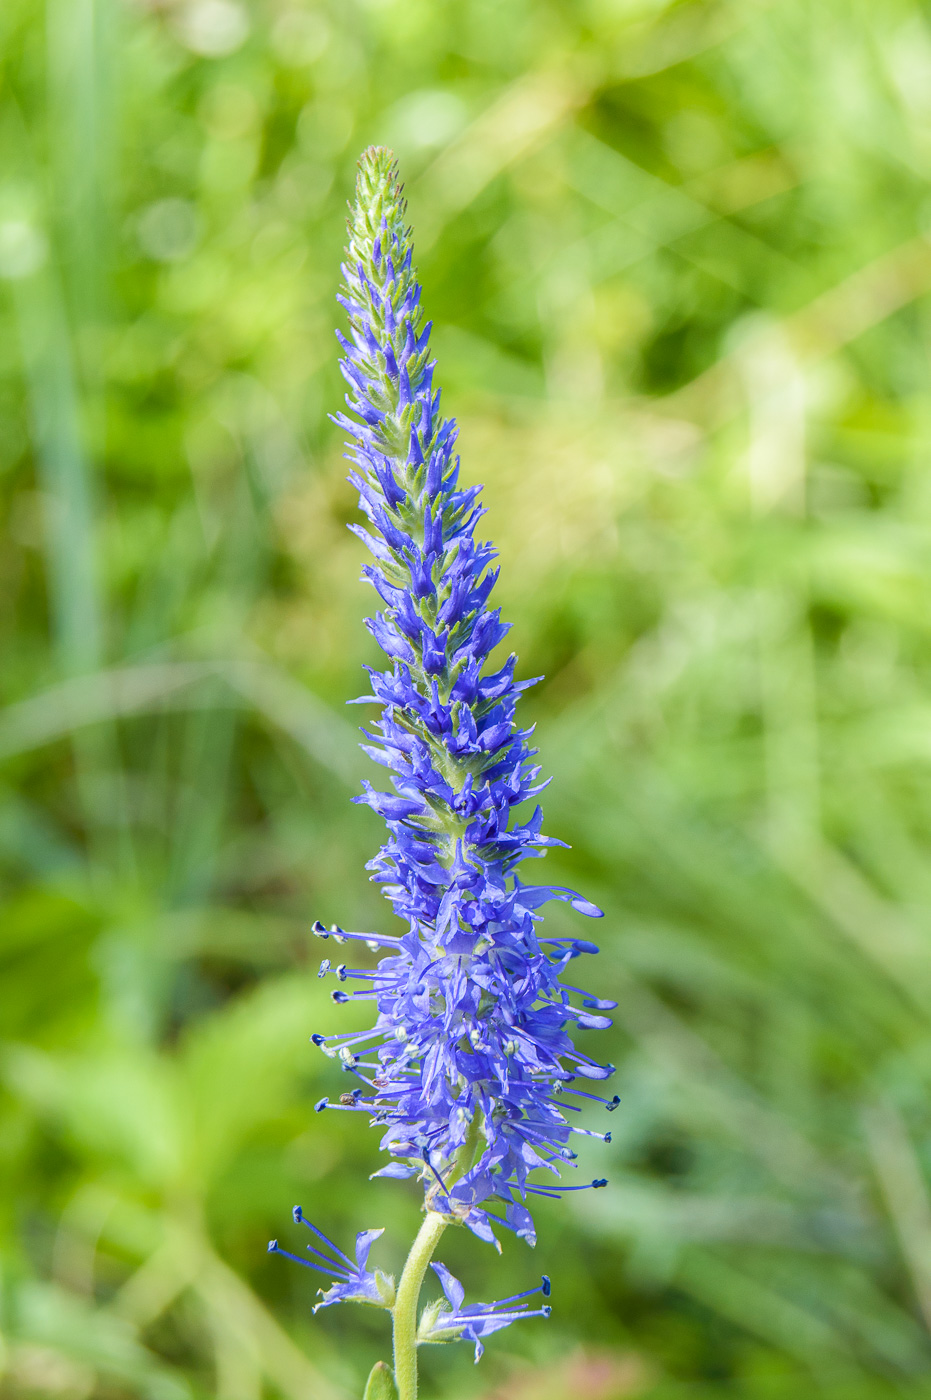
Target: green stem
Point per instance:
(470, 1150)
(405, 1308)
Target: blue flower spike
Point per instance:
(470, 1067)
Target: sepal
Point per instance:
(427, 1330)
(386, 1288)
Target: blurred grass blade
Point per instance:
(107, 695)
(64, 470)
(906, 1194)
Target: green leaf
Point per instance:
(380, 1384)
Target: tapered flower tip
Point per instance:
(273, 1246)
(378, 163)
(379, 204)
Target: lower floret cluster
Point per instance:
(469, 1066)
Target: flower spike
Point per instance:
(467, 1064)
(473, 1019)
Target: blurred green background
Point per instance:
(677, 255)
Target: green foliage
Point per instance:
(380, 1384)
(677, 258)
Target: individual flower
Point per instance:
(451, 1322)
(353, 1283)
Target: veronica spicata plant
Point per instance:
(470, 1069)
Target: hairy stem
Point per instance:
(405, 1308)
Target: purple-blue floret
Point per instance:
(453, 1322)
(469, 1065)
(352, 1282)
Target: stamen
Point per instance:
(301, 1219)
